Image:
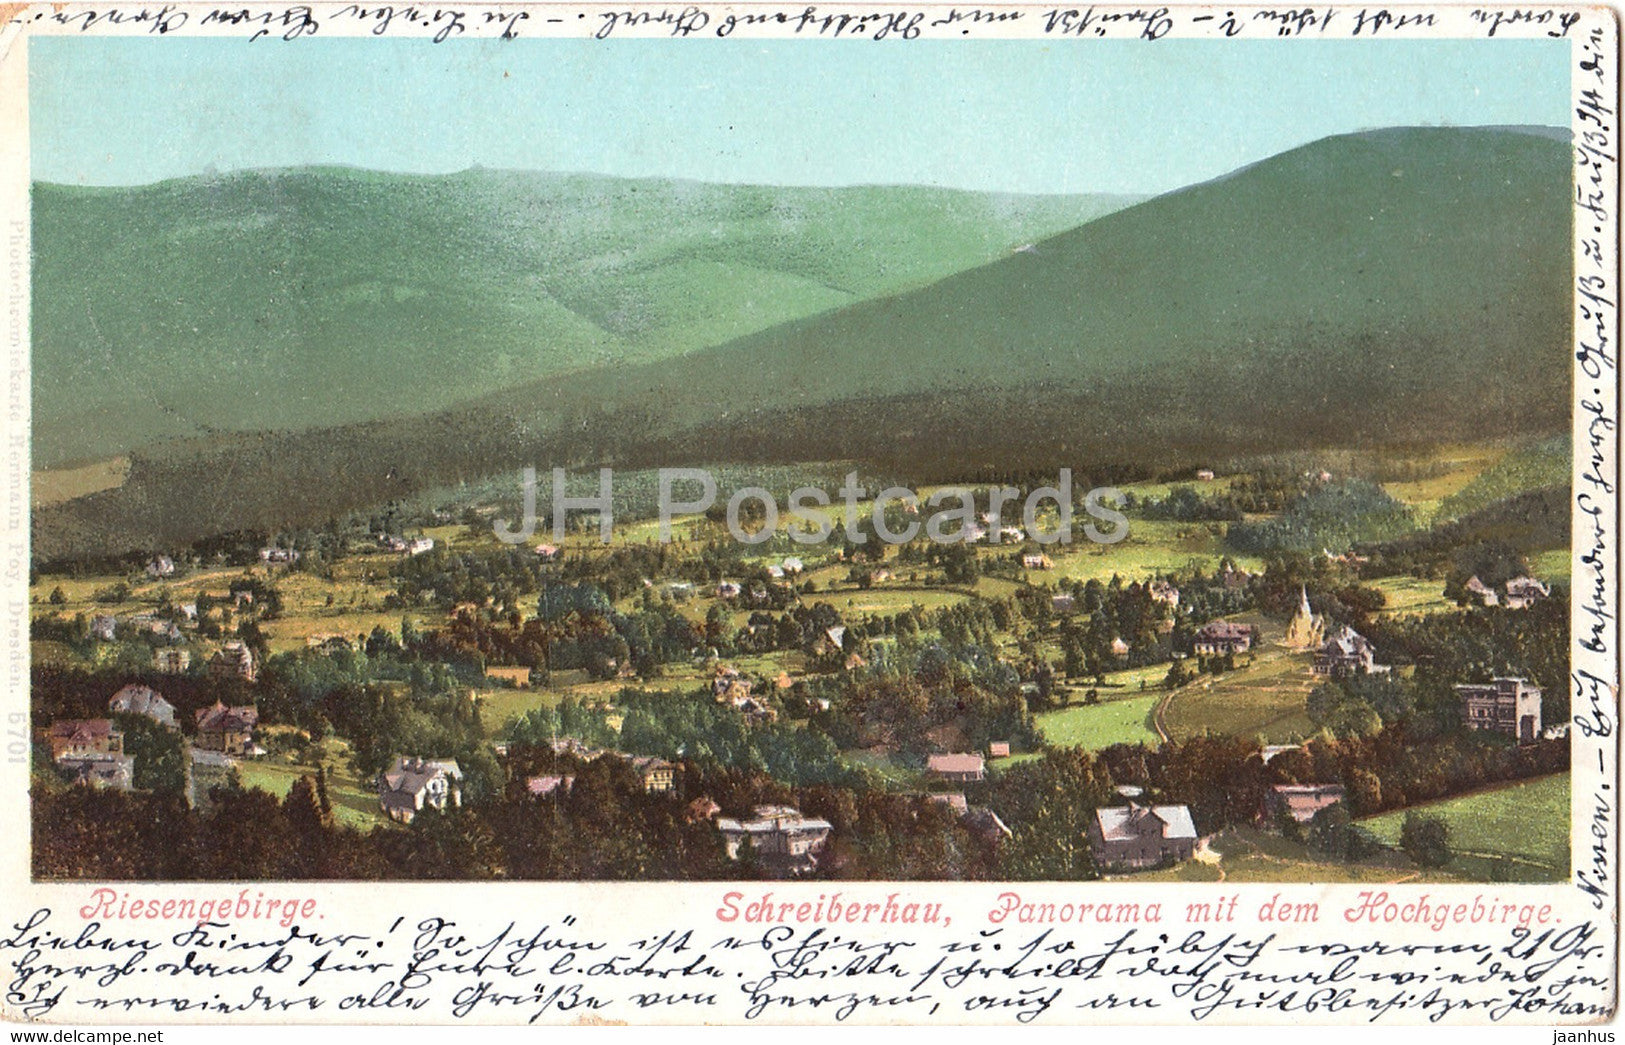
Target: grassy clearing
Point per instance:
(1413, 595)
(1556, 564)
(56, 485)
(1096, 726)
(1151, 547)
(499, 706)
(1462, 465)
(1124, 682)
(355, 804)
(1526, 823)
(897, 777)
(887, 600)
(1158, 491)
(1533, 467)
(1264, 698)
(1246, 854)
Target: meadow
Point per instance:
(1406, 594)
(1457, 468)
(1263, 697)
(1152, 547)
(1094, 726)
(355, 802)
(1519, 832)
(1246, 854)
(55, 485)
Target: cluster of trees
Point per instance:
(942, 696)
(1334, 834)
(593, 636)
(1448, 648)
(1333, 587)
(693, 727)
(1223, 781)
(1360, 705)
(803, 626)
(603, 827)
(1332, 516)
(505, 577)
(382, 723)
(1187, 504)
(1497, 534)
(1127, 611)
(1493, 562)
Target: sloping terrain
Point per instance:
(1401, 286)
(286, 299)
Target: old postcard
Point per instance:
(810, 514)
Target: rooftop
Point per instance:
(1126, 823)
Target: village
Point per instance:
(1192, 705)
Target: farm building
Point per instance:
(84, 737)
(167, 660)
(142, 700)
(1348, 653)
(114, 771)
(1165, 593)
(228, 729)
(1523, 592)
(234, 660)
(957, 768)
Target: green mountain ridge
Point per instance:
(313, 296)
(1316, 248)
(1408, 286)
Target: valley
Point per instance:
(274, 634)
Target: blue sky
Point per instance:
(1061, 116)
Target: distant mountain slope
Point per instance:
(1409, 285)
(286, 299)
(1422, 259)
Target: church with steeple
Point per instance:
(1306, 631)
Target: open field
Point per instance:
(1245, 854)
(1151, 547)
(355, 804)
(895, 776)
(1533, 466)
(1263, 697)
(1096, 726)
(1522, 827)
(886, 600)
(55, 485)
(1459, 465)
(1158, 491)
(1266, 700)
(1556, 564)
(1120, 683)
(499, 706)
(1413, 595)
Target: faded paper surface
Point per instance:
(268, 358)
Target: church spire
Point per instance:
(1303, 601)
